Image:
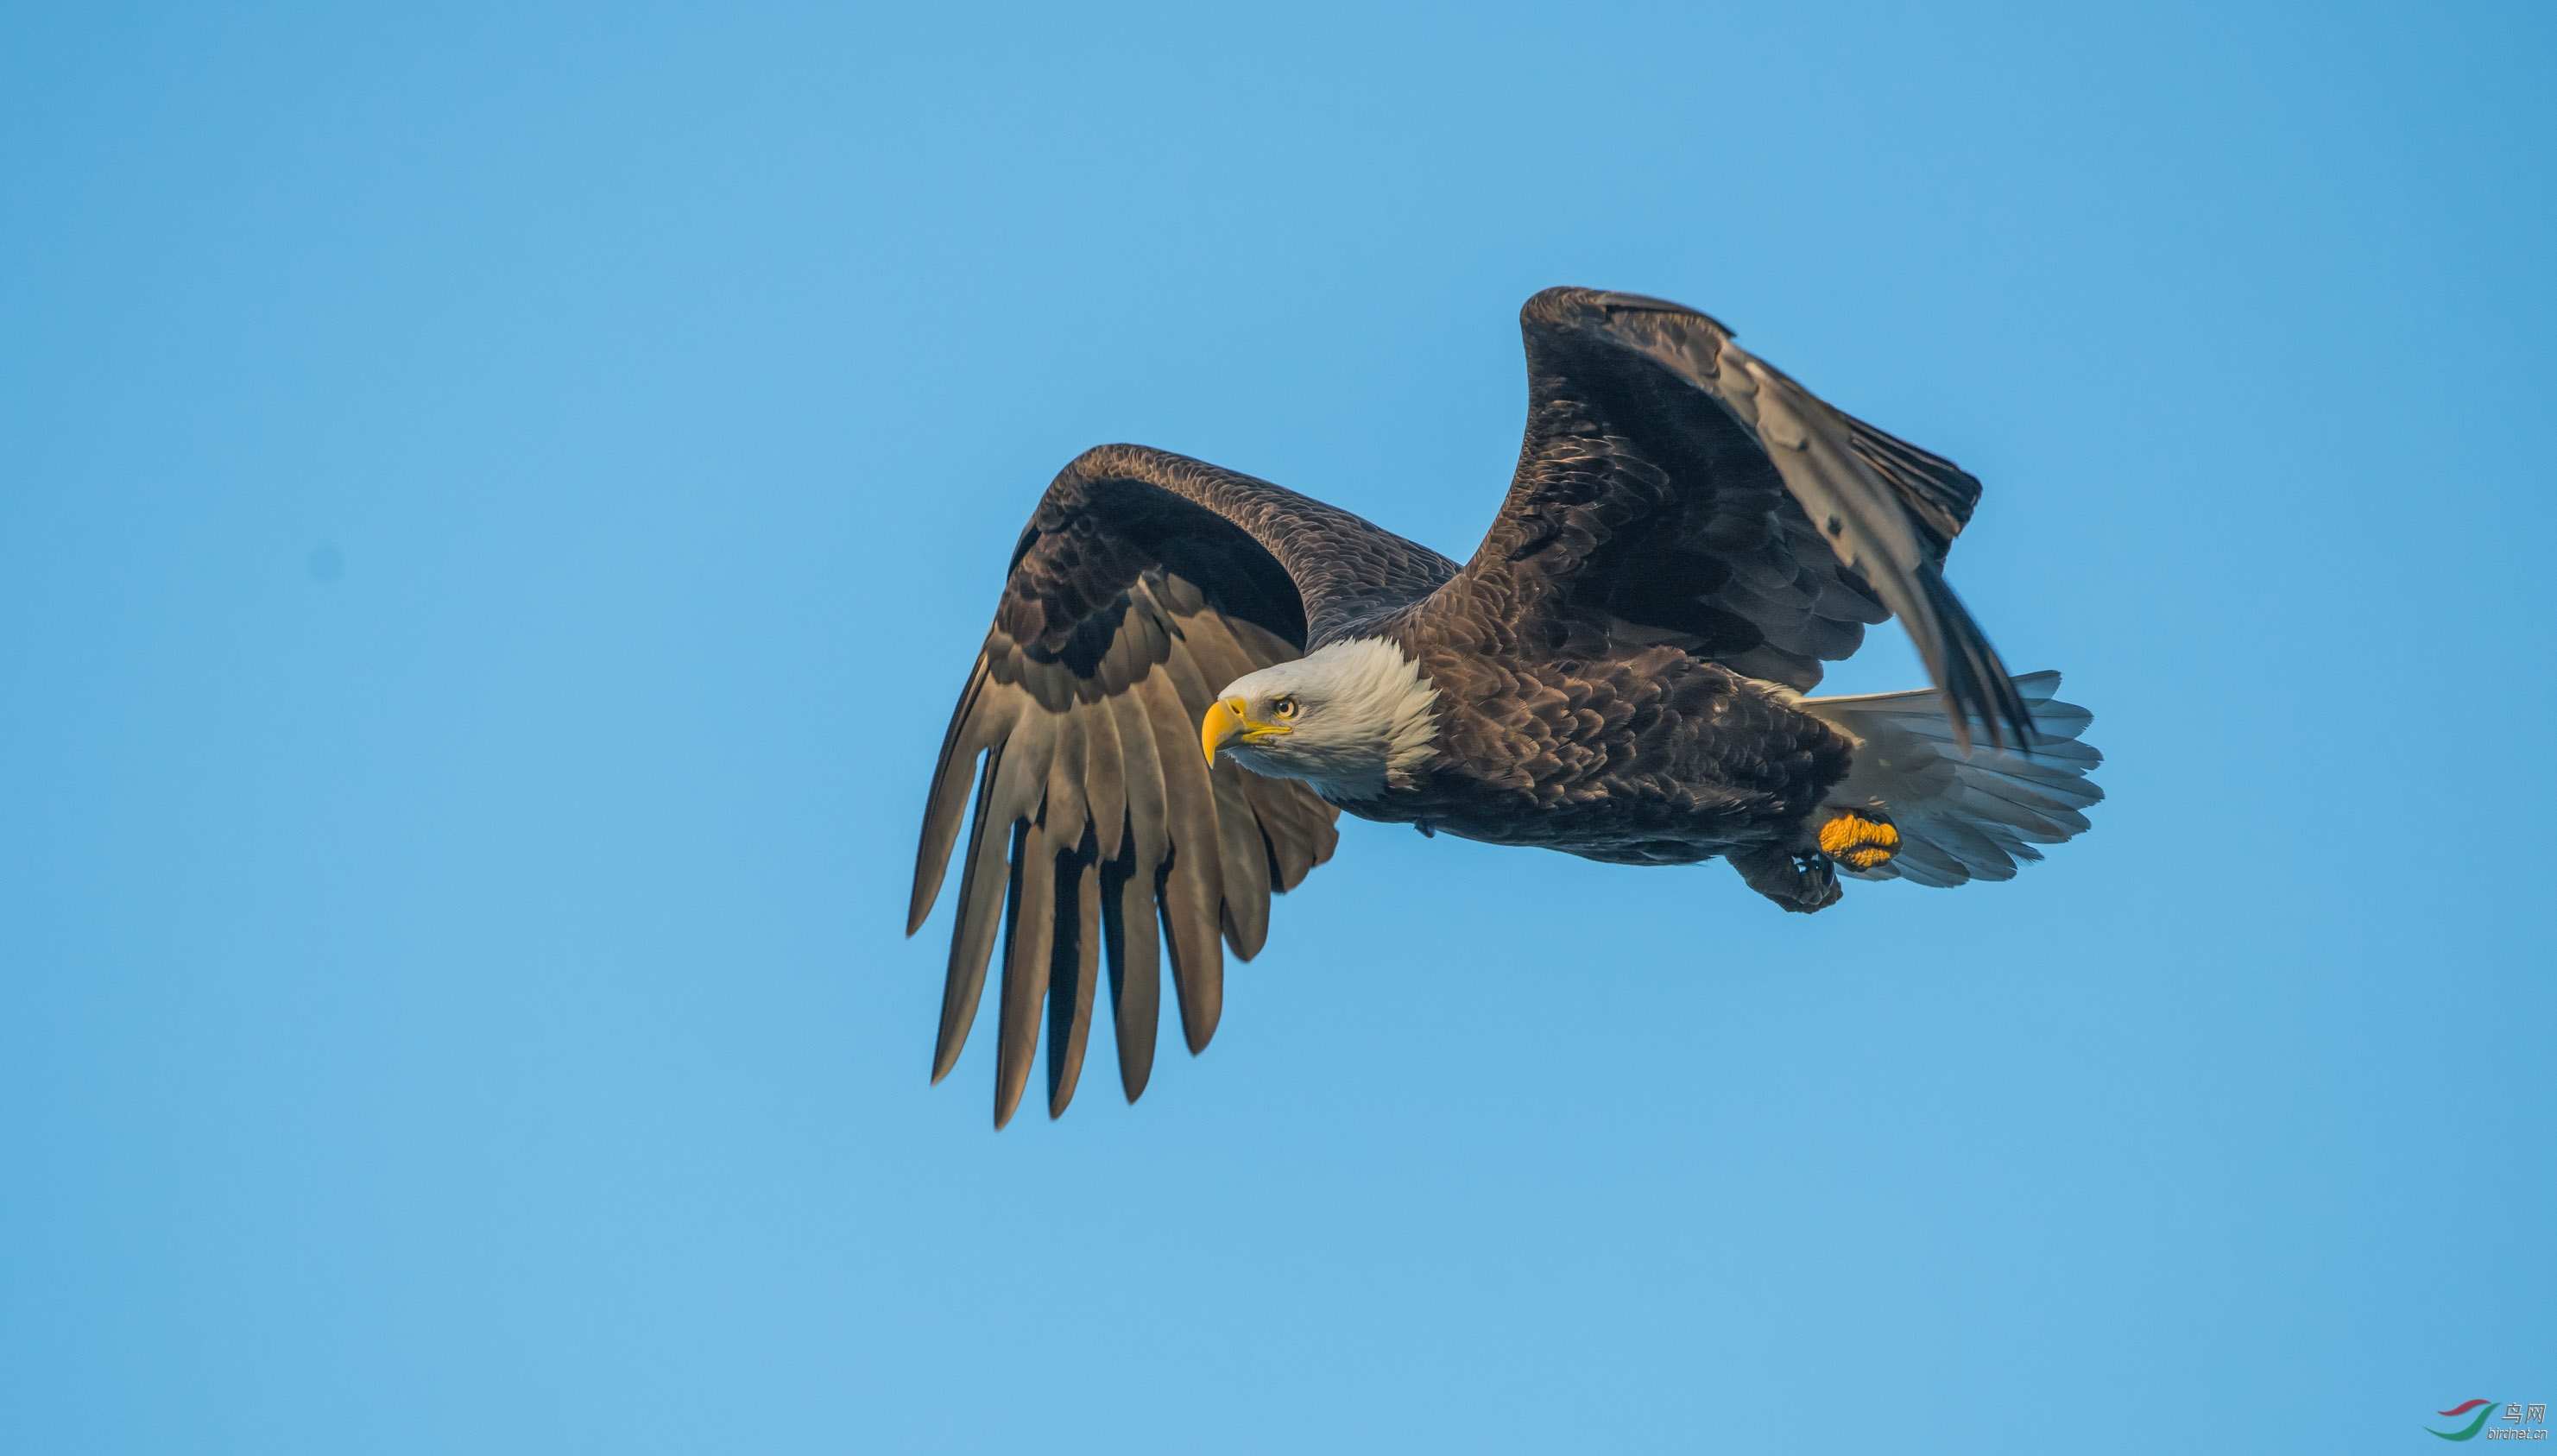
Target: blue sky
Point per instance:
(495, 505)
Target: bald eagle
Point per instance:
(1191, 673)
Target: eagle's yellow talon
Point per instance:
(1859, 843)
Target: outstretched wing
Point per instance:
(1144, 582)
(1680, 489)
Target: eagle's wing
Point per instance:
(1144, 582)
(1692, 493)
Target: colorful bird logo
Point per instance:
(2484, 1408)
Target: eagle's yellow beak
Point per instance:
(1225, 724)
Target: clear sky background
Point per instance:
(495, 505)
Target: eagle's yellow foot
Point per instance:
(1858, 842)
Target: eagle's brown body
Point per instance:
(1632, 753)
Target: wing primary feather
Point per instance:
(1198, 957)
(1065, 813)
(972, 938)
(949, 797)
(1131, 921)
(1975, 682)
(1105, 774)
(1028, 940)
(1192, 885)
(1285, 827)
(1140, 777)
(1244, 858)
(1939, 493)
(1073, 969)
(1328, 834)
(1135, 944)
(1215, 658)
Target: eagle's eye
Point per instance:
(1283, 707)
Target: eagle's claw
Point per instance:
(1801, 882)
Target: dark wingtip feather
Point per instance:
(1198, 964)
(1131, 945)
(927, 883)
(1975, 682)
(972, 936)
(943, 806)
(1029, 938)
(1074, 964)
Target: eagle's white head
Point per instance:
(1350, 720)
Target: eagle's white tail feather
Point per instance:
(1962, 816)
